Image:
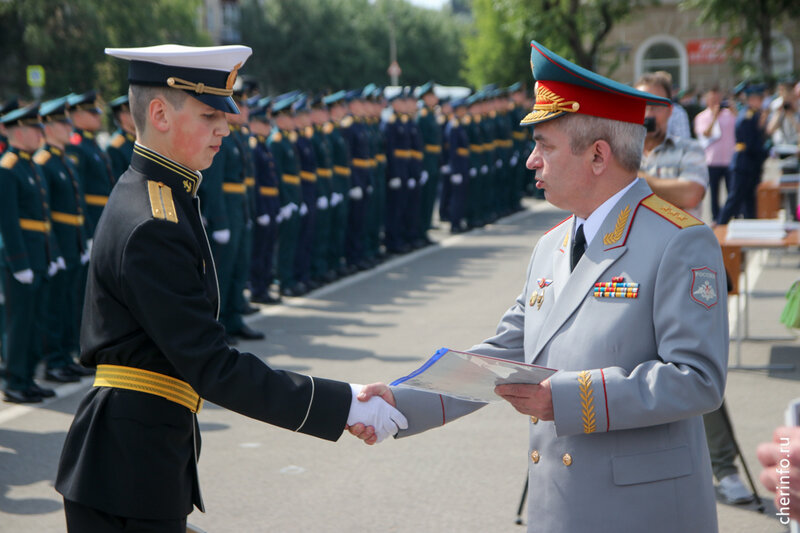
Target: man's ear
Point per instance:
(601, 156)
(158, 114)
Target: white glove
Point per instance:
(423, 178)
(52, 268)
(303, 209)
(445, 169)
(322, 202)
(456, 179)
(222, 236)
(370, 189)
(287, 211)
(412, 183)
(25, 277)
(336, 198)
(292, 207)
(375, 412)
(473, 172)
(356, 193)
(395, 183)
(89, 243)
(499, 163)
(279, 216)
(85, 257)
(263, 220)
(484, 169)
(513, 160)
(61, 264)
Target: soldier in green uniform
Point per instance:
(30, 253)
(92, 163)
(429, 122)
(521, 137)
(120, 146)
(6, 108)
(321, 269)
(372, 225)
(67, 211)
(477, 167)
(340, 199)
(376, 104)
(283, 149)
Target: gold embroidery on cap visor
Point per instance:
(548, 105)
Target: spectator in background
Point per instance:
(783, 126)
(714, 128)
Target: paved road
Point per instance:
(379, 325)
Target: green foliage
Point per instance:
(574, 29)
(333, 44)
(67, 38)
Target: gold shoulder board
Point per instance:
(327, 128)
(293, 136)
(117, 140)
(347, 121)
(392, 118)
(277, 137)
(41, 157)
(441, 119)
(423, 112)
(674, 214)
(253, 142)
(161, 203)
(466, 120)
(9, 160)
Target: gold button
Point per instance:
(534, 419)
(535, 456)
(567, 458)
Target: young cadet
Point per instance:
(68, 213)
(428, 122)
(340, 199)
(150, 328)
(93, 165)
(626, 298)
(30, 253)
(120, 146)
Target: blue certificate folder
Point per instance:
(470, 376)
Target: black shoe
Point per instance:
(21, 396)
(330, 276)
(265, 299)
(230, 340)
(249, 309)
(41, 391)
(313, 285)
(80, 370)
(61, 375)
(247, 333)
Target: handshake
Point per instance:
(373, 416)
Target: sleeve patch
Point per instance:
(704, 287)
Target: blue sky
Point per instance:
(432, 4)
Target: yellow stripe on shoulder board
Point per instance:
(161, 203)
(9, 160)
(41, 157)
(674, 214)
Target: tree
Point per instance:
(749, 22)
(575, 29)
(67, 38)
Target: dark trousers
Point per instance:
(241, 268)
(742, 194)
(715, 176)
(63, 317)
(25, 317)
(395, 207)
(261, 265)
(720, 444)
(225, 258)
(82, 519)
(288, 233)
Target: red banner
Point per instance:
(706, 51)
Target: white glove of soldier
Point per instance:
(89, 243)
(499, 163)
(263, 220)
(375, 412)
(514, 159)
(26, 277)
(222, 236)
(322, 202)
(484, 169)
(456, 179)
(473, 172)
(412, 183)
(423, 178)
(356, 193)
(303, 209)
(292, 207)
(395, 183)
(370, 190)
(336, 198)
(85, 256)
(445, 169)
(52, 268)
(62, 265)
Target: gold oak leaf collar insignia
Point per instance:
(619, 228)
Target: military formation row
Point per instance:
(303, 191)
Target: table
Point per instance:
(734, 259)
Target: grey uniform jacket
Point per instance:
(627, 449)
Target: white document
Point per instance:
(470, 376)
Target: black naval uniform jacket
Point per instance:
(152, 304)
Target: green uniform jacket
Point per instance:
(94, 170)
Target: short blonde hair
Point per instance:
(140, 96)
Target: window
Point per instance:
(663, 52)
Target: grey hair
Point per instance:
(140, 96)
(626, 139)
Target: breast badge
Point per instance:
(616, 288)
(537, 297)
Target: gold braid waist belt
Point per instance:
(126, 377)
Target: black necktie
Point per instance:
(578, 247)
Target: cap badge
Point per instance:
(232, 77)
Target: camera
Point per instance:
(650, 124)
(787, 106)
